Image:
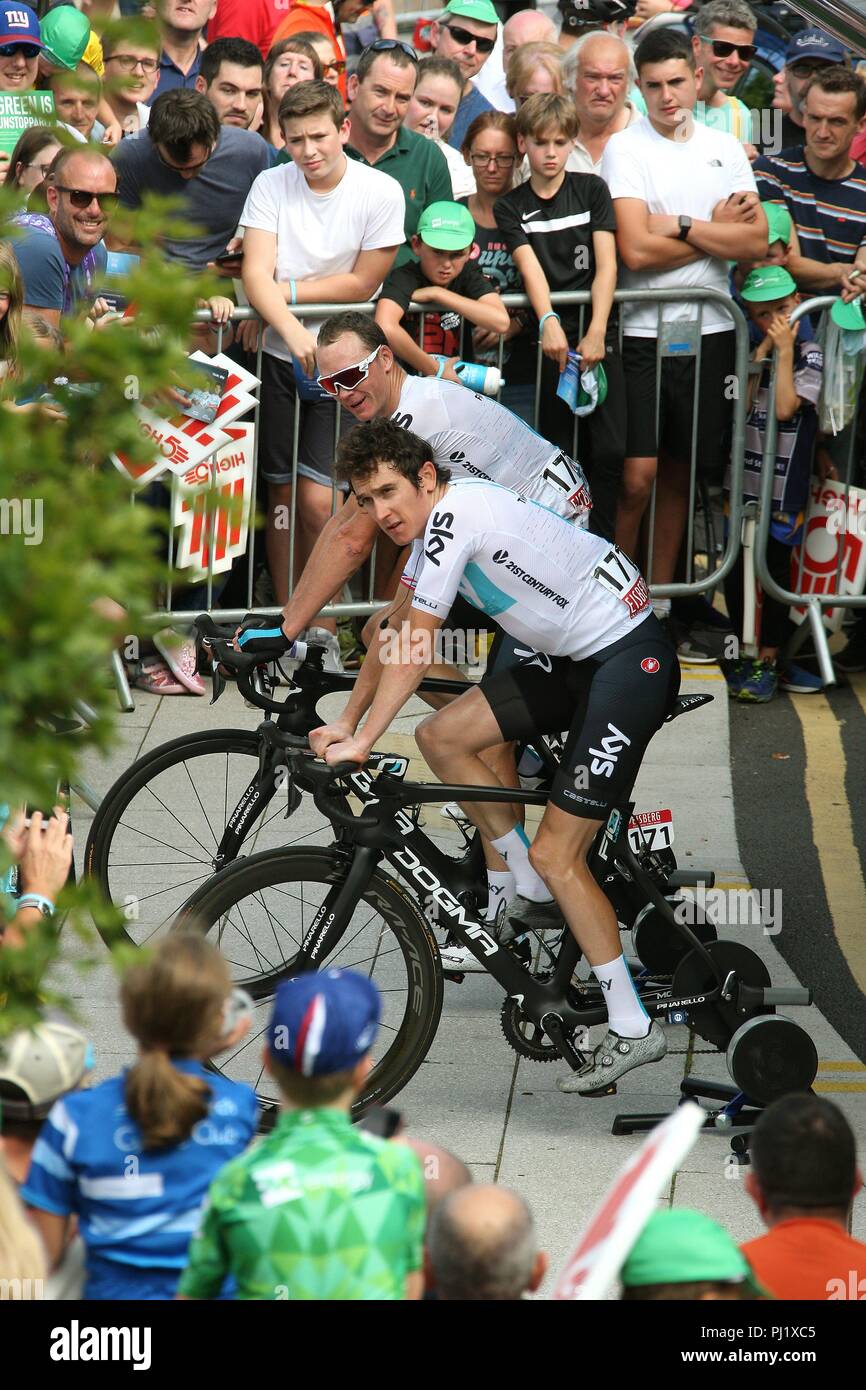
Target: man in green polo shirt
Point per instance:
(380, 91)
(318, 1209)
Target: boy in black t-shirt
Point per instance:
(442, 275)
(559, 228)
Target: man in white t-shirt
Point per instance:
(685, 202)
(322, 229)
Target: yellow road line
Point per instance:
(841, 1066)
(832, 831)
(839, 1086)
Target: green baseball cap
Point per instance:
(849, 316)
(685, 1247)
(481, 11)
(446, 226)
(766, 283)
(778, 222)
(65, 36)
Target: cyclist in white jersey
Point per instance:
(569, 594)
(471, 434)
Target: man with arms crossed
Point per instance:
(554, 587)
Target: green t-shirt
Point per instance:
(422, 172)
(317, 1210)
(733, 117)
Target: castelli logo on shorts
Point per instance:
(650, 665)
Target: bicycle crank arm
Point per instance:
(552, 1026)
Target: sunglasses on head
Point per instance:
(463, 36)
(81, 198)
(744, 51)
(29, 50)
(349, 377)
(385, 45)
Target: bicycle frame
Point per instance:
(395, 836)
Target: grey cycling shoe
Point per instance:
(613, 1057)
(523, 915)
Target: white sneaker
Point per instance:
(333, 660)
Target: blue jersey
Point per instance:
(137, 1209)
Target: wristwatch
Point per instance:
(685, 227)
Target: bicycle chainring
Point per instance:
(525, 1037)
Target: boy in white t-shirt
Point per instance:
(686, 203)
(322, 229)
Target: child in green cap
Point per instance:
(445, 275)
(682, 1255)
(769, 295)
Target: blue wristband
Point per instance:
(45, 905)
(443, 361)
(294, 293)
(551, 314)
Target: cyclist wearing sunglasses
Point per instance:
(466, 33)
(724, 47)
(62, 252)
(20, 46)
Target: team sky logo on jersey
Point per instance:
(403, 422)
(440, 534)
(650, 665)
(604, 759)
(500, 557)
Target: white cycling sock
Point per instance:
(626, 1014)
(501, 886)
(514, 848)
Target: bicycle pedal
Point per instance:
(599, 1091)
(455, 977)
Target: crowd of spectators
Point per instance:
(581, 161)
(150, 1185)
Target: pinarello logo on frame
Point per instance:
(650, 665)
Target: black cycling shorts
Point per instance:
(611, 703)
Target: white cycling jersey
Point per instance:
(476, 437)
(554, 587)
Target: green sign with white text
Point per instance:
(20, 110)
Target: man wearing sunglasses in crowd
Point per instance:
(466, 33)
(724, 46)
(380, 90)
(62, 253)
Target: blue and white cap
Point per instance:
(811, 44)
(324, 1022)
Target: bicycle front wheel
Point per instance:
(155, 836)
(258, 912)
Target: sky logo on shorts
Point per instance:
(650, 665)
(604, 759)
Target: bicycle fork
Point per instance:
(333, 917)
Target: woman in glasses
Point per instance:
(333, 66)
(431, 112)
(490, 151)
(289, 62)
(31, 157)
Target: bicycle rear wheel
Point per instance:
(154, 839)
(258, 912)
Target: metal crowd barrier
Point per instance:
(361, 607)
(813, 603)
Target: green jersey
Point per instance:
(317, 1210)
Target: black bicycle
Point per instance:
(189, 807)
(317, 907)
